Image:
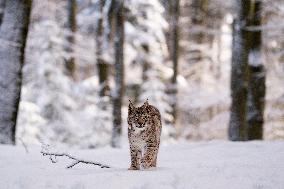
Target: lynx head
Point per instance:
(138, 117)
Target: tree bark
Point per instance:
(13, 36)
(256, 86)
(71, 26)
(145, 64)
(102, 65)
(239, 73)
(175, 54)
(119, 72)
(2, 7)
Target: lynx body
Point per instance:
(144, 131)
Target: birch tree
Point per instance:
(13, 36)
(118, 71)
(256, 86)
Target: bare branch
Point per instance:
(76, 160)
(23, 143)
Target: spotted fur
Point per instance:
(144, 131)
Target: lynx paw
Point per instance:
(133, 168)
(146, 165)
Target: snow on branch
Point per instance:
(53, 156)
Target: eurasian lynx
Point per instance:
(144, 131)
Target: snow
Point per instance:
(215, 164)
(255, 58)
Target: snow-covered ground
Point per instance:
(216, 164)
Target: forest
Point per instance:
(71, 69)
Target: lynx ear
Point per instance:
(146, 103)
(130, 107)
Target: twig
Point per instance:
(76, 161)
(24, 145)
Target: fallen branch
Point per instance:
(76, 161)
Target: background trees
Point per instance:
(13, 34)
(145, 63)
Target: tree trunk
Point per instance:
(256, 86)
(200, 8)
(109, 30)
(71, 27)
(13, 34)
(145, 64)
(2, 7)
(239, 73)
(175, 54)
(119, 72)
(101, 64)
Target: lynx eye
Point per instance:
(145, 117)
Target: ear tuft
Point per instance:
(146, 103)
(130, 107)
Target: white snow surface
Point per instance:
(215, 164)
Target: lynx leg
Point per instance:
(135, 159)
(149, 157)
(154, 161)
(158, 135)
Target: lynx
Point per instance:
(144, 131)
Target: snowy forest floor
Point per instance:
(216, 164)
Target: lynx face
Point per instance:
(139, 117)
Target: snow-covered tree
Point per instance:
(61, 110)
(146, 49)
